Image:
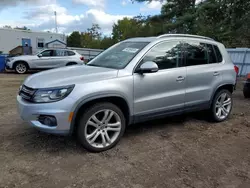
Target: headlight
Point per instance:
(52, 94)
(20, 88)
(9, 59)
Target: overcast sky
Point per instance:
(71, 14)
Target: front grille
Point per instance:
(27, 93)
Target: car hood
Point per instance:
(77, 74)
(25, 57)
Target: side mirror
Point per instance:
(40, 55)
(148, 67)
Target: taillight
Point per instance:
(248, 76)
(82, 58)
(236, 69)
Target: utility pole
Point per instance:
(56, 22)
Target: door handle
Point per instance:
(180, 78)
(216, 73)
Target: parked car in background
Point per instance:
(246, 88)
(136, 80)
(46, 59)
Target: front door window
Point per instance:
(47, 53)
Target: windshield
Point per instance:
(118, 56)
(39, 51)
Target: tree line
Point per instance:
(227, 21)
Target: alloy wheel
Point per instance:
(223, 106)
(103, 128)
(21, 68)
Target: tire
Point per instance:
(71, 63)
(224, 110)
(101, 130)
(21, 67)
(246, 92)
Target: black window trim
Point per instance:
(184, 59)
(214, 45)
(205, 42)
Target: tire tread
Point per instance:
(212, 112)
(86, 115)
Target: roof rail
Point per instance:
(184, 35)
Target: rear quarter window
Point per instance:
(218, 54)
(70, 53)
(211, 54)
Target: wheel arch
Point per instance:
(71, 63)
(115, 99)
(228, 86)
(20, 61)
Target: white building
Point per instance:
(12, 38)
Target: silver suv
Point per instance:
(46, 59)
(133, 81)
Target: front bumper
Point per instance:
(7, 67)
(30, 112)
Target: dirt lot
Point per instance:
(184, 151)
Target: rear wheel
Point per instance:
(222, 105)
(71, 63)
(101, 127)
(21, 67)
(246, 92)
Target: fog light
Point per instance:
(47, 120)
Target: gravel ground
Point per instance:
(178, 152)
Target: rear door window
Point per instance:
(198, 53)
(60, 53)
(195, 53)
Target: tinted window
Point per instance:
(60, 53)
(218, 54)
(70, 53)
(211, 54)
(195, 53)
(166, 55)
(47, 53)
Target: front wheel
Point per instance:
(101, 127)
(21, 68)
(246, 92)
(222, 105)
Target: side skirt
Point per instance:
(138, 118)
